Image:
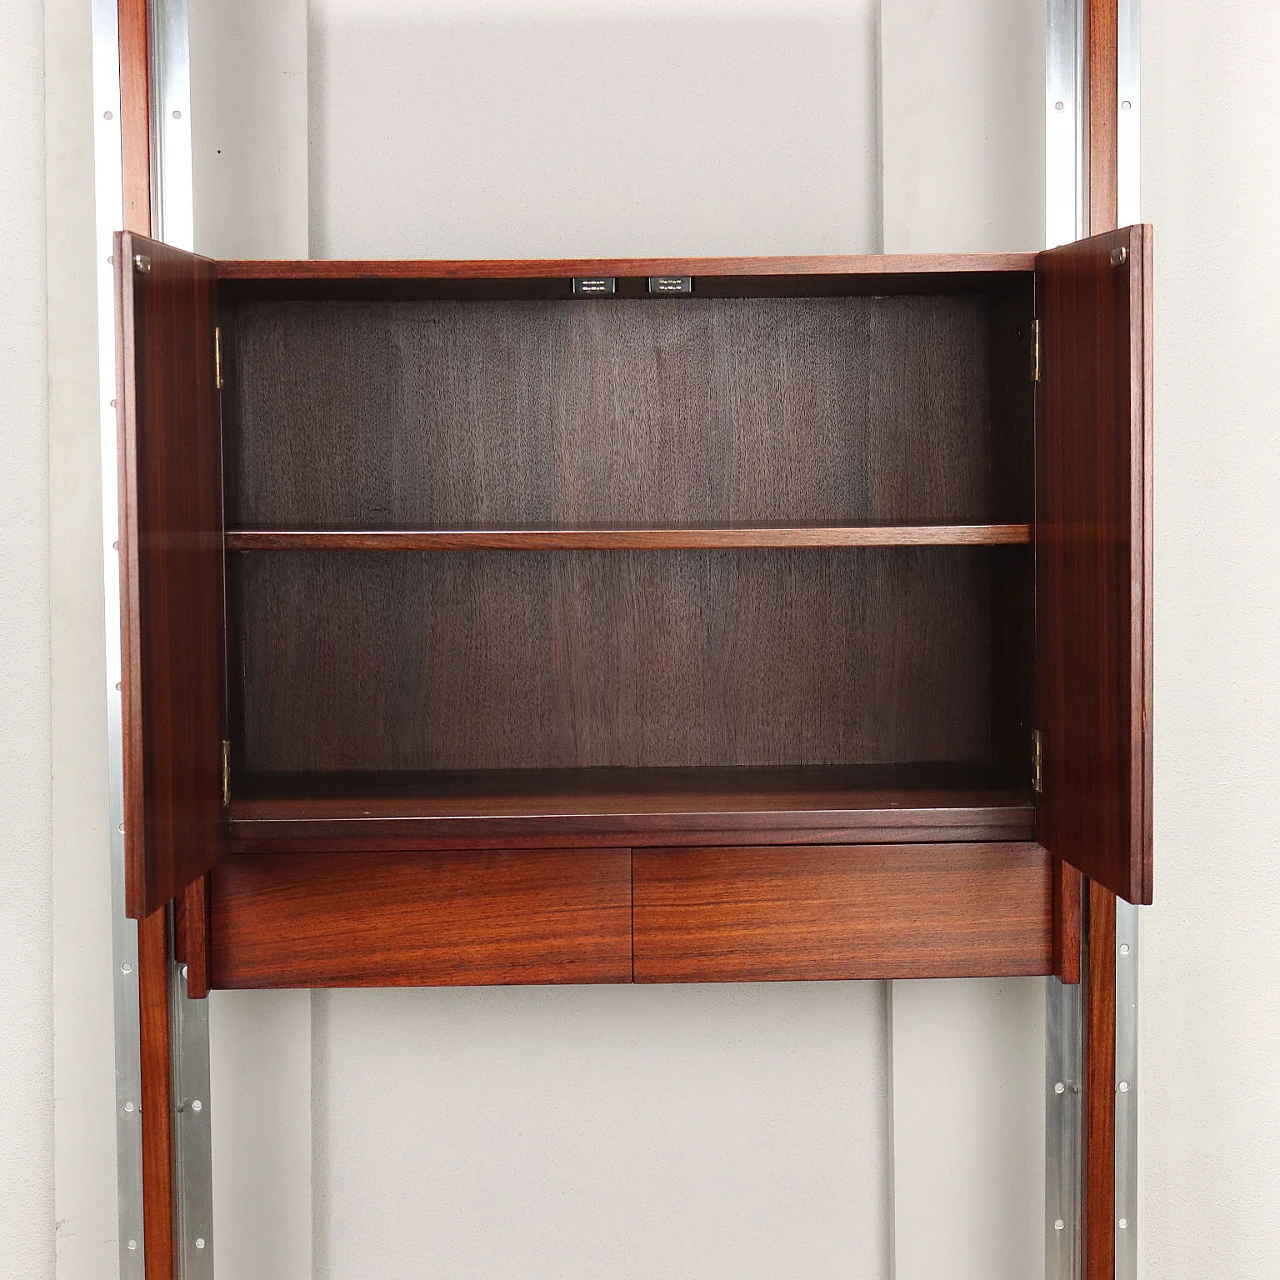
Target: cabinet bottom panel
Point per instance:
(421, 919)
(769, 913)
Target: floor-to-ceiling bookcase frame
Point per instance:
(143, 166)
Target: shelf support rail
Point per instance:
(1065, 57)
(1067, 126)
(108, 215)
(173, 221)
(167, 59)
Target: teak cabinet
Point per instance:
(628, 621)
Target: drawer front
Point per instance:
(789, 913)
(470, 918)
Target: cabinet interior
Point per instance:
(759, 414)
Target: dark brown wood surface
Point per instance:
(1068, 892)
(135, 114)
(1102, 110)
(1098, 1118)
(171, 570)
(449, 660)
(621, 414)
(625, 806)
(866, 535)
(1013, 571)
(459, 919)
(1093, 549)
(154, 1030)
(156, 1101)
(830, 912)
(887, 264)
(191, 935)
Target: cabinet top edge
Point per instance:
(317, 269)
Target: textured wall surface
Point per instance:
(26, 983)
(83, 1063)
(1210, 1115)
(492, 129)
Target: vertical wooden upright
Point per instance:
(1098, 1118)
(1098, 1112)
(155, 1029)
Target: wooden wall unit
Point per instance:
(793, 627)
(697, 638)
(786, 573)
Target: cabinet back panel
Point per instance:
(554, 413)
(359, 661)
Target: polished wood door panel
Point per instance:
(1093, 557)
(173, 635)
(422, 919)
(842, 911)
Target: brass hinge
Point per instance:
(217, 358)
(226, 774)
(1035, 351)
(1037, 761)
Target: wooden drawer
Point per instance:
(472, 918)
(841, 911)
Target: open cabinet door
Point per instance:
(171, 569)
(1093, 557)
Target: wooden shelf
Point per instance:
(506, 807)
(874, 265)
(859, 535)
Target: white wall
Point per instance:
(485, 128)
(26, 1040)
(962, 119)
(1210, 1101)
(84, 1114)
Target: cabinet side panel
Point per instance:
(171, 571)
(1093, 530)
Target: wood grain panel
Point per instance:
(171, 521)
(156, 1102)
(868, 535)
(619, 658)
(191, 936)
(637, 269)
(1093, 558)
(625, 806)
(1068, 892)
(828, 912)
(456, 919)
(1101, 23)
(613, 414)
(1013, 493)
(135, 113)
(1098, 1103)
